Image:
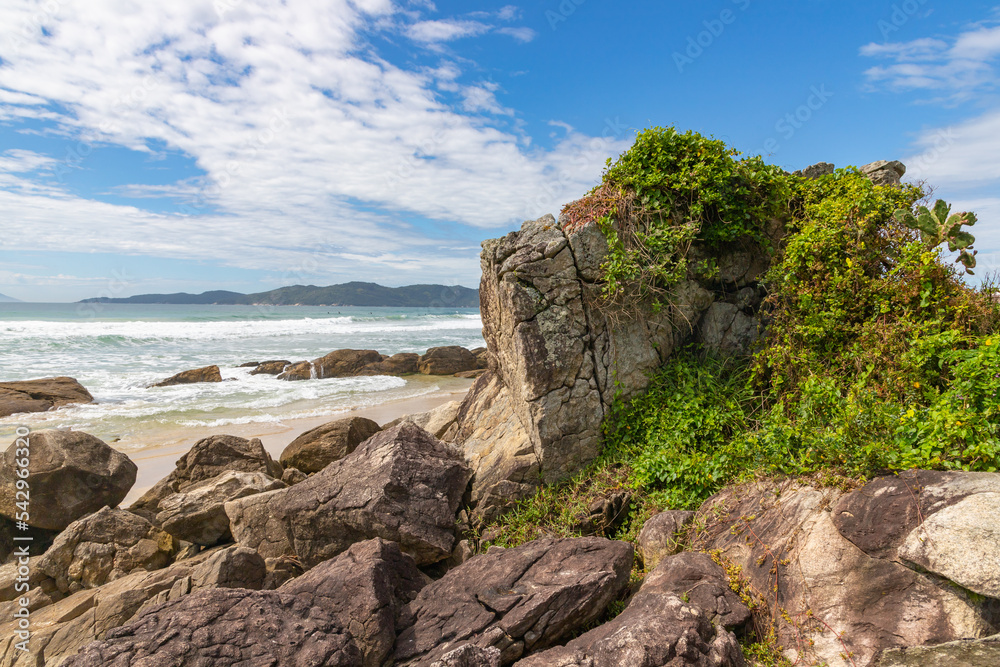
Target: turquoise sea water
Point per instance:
(118, 350)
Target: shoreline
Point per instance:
(156, 462)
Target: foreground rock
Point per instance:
(71, 474)
(402, 485)
(447, 361)
(105, 546)
(470, 656)
(961, 653)
(208, 458)
(198, 514)
(678, 617)
(206, 374)
(319, 447)
(343, 612)
(834, 561)
(515, 600)
(40, 395)
(61, 629)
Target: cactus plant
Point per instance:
(936, 226)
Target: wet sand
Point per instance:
(155, 463)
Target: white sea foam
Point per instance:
(110, 332)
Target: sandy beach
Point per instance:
(155, 463)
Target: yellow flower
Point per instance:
(910, 413)
(916, 385)
(849, 263)
(989, 341)
(958, 423)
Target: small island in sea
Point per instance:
(347, 294)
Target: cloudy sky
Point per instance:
(249, 144)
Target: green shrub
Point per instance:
(668, 191)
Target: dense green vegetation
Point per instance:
(347, 294)
(877, 355)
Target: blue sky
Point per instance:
(250, 144)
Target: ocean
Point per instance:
(117, 350)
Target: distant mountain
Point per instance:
(348, 294)
(8, 299)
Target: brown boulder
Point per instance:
(677, 618)
(206, 374)
(40, 395)
(402, 485)
(208, 458)
(319, 447)
(71, 474)
(345, 363)
(404, 363)
(272, 367)
(447, 361)
(515, 600)
(303, 370)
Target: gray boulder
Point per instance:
(815, 170)
(677, 618)
(106, 545)
(40, 395)
(319, 447)
(71, 474)
(198, 514)
(402, 485)
(884, 172)
(208, 458)
(514, 600)
(660, 536)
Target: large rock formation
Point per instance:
(40, 395)
(208, 458)
(402, 485)
(558, 359)
(515, 600)
(70, 475)
(841, 571)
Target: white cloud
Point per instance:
(963, 155)
(520, 34)
(308, 140)
(955, 69)
(445, 30)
